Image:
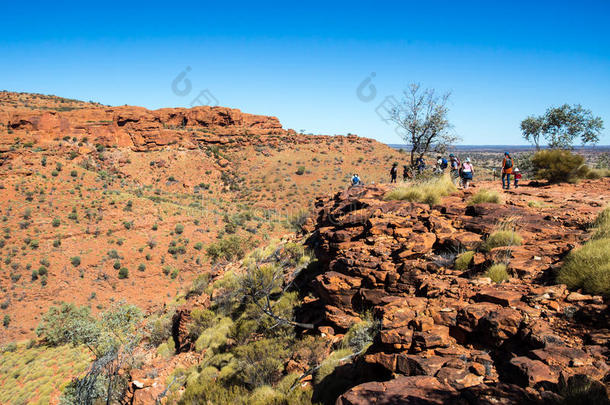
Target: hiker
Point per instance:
(421, 165)
(507, 169)
(517, 177)
(466, 173)
(454, 163)
(405, 173)
(356, 180)
(441, 165)
(393, 173)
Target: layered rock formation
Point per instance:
(449, 334)
(140, 128)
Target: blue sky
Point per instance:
(304, 62)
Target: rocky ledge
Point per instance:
(448, 335)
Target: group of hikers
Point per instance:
(462, 172)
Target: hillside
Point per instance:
(89, 191)
(402, 306)
(206, 255)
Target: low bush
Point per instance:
(462, 262)
(557, 166)
(179, 229)
(485, 196)
(497, 273)
(502, 237)
(430, 191)
(300, 170)
(123, 273)
(588, 267)
(59, 323)
(75, 261)
(228, 248)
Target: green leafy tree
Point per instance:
(562, 125)
(531, 127)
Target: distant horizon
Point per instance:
(519, 146)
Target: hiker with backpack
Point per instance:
(507, 169)
(441, 165)
(393, 173)
(517, 174)
(421, 165)
(466, 173)
(454, 163)
(405, 173)
(356, 180)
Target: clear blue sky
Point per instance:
(303, 61)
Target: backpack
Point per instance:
(444, 163)
(509, 163)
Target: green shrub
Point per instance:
(6, 320)
(198, 246)
(502, 237)
(588, 267)
(142, 267)
(75, 261)
(179, 229)
(58, 324)
(116, 265)
(74, 173)
(462, 262)
(428, 191)
(360, 335)
(485, 196)
(228, 248)
(558, 166)
(123, 273)
(215, 337)
(42, 270)
(497, 273)
(261, 362)
(56, 222)
(160, 328)
(300, 170)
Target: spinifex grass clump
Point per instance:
(462, 262)
(602, 225)
(588, 267)
(497, 273)
(502, 237)
(485, 196)
(430, 191)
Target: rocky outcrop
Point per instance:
(143, 129)
(446, 333)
